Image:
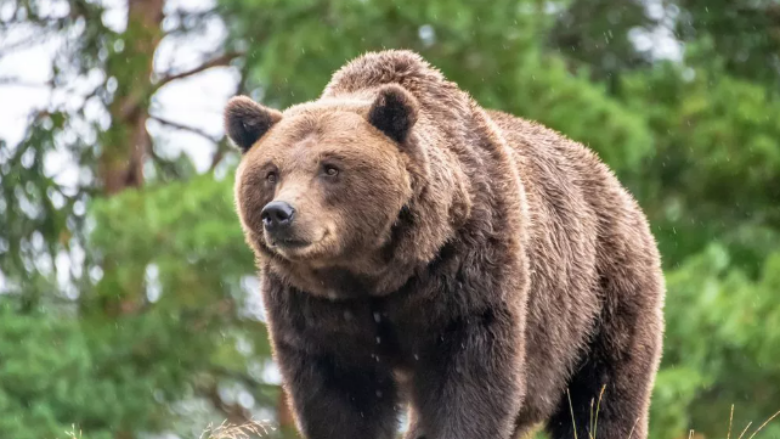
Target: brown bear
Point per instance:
(417, 250)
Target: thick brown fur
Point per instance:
(467, 263)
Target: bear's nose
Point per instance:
(277, 214)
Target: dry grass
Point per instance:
(259, 429)
(764, 424)
(593, 424)
(741, 435)
(249, 430)
(73, 433)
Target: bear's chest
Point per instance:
(395, 328)
(370, 329)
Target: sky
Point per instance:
(196, 101)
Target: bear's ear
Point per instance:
(246, 121)
(394, 112)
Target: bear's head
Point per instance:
(321, 187)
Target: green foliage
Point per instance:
(745, 35)
(721, 345)
(574, 105)
(46, 381)
(716, 157)
(595, 33)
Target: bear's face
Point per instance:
(322, 184)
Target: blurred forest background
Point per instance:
(128, 299)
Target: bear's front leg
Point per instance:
(468, 382)
(334, 398)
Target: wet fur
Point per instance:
(516, 268)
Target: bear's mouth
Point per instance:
(290, 243)
(294, 244)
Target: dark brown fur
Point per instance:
(469, 263)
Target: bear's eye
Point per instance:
(330, 170)
(271, 177)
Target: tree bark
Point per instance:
(125, 143)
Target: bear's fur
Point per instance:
(484, 270)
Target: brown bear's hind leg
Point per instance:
(622, 358)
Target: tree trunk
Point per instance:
(125, 143)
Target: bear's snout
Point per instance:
(277, 217)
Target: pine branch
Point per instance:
(219, 154)
(220, 61)
(182, 127)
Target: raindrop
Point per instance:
(377, 317)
